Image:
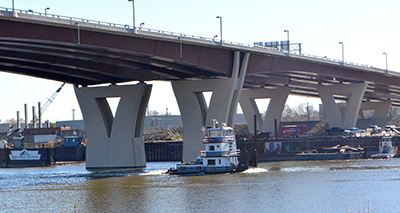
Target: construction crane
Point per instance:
(50, 100)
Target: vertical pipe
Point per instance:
(276, 128)
(33, 117)
(18, 123)
(26, 116)
(40, 114)
(166, 120)
(255, 158)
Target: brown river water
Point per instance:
(309, 186)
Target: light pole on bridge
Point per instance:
(79, 33)
(133, 6)
(288, 43)
(342, 51)
(386, 62)
(45, 11)
(220, 27)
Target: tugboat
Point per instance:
(220, 155)
(386, 149)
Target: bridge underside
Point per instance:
(305, 84)
(90, 65)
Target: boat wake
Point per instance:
(366, 168)
(255, 170)
(155, 172)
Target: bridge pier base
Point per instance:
(355, 94)
(114, 142)
(222, 107)
(276, 105)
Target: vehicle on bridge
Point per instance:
(334, 131)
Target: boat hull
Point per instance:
(382, 156)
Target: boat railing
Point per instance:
(217, 153)
(219, 139)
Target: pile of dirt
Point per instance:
(157, 133)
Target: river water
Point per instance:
(312, 186)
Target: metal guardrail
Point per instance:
(202, 38)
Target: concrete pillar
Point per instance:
(223, 104)
(276, 105)
(114, 142)
(381, 108)
(354, 93)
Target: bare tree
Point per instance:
(303, 112)
(393, 112)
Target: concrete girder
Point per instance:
(193, 108)
(381, 108)
(276, 105)
(355, 94)
(114, 142)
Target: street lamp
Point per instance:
(133, 6)
(342, 51)
(386, 62)
(141, 24)
(220, 27)
(288, 43)
(45, 11)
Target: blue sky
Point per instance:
(367, 28)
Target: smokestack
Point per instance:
(40, 114)
(18, 124)
(26, 116)
(33, 117)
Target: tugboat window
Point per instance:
(211, 148)
(219, 161)
(211, 162)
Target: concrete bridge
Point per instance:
(89, 54)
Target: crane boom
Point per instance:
(50, 100)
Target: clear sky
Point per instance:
(367, 28)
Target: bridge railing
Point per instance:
(200, 38)
(31, 12)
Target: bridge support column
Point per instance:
(223, 104)
(355, 94)
(276, 105)
(114, 142)
(381, 108)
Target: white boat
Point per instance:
(386, 149)
(220, 155)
